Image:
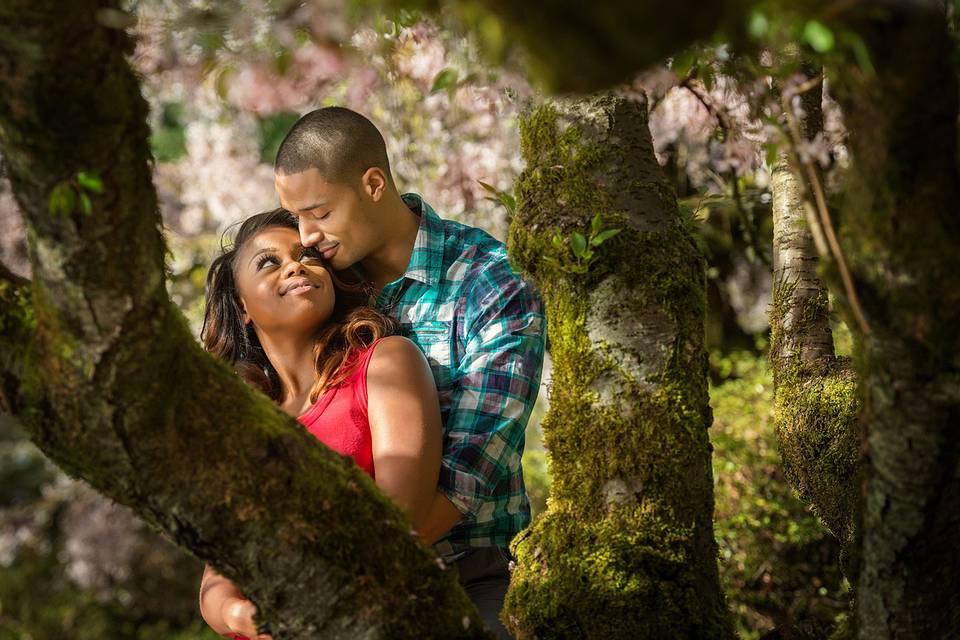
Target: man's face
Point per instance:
(333, 217)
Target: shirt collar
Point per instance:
(426, 260)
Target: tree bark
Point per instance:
(102, 371)
(815, 400)
(626, 547)
(901, 233)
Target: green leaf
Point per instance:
(682, 63)
(602, 237)
(85, 205)
(62, 199)
(508, 201)
(445, 79)
(500, 197)
(595, 225)
(557, 241)
(773, 152)
(758, 25)
(90, 180)
(818, 36)
(578, 243)
(489, 187)
(861, 52)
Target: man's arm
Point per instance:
(442, 516)
(498, 382)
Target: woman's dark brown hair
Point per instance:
(353, 325)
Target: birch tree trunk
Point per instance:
(626, 547)
(102, 371)
(815, 400)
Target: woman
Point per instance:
(326, 359)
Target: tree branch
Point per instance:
(110, 384)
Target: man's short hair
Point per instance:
(339, 142)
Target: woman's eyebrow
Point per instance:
(264, 250)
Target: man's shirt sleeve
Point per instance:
(497, 386)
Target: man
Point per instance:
(455, 295)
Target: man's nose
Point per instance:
(309, 235)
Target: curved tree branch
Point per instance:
(108, 381)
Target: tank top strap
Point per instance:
(358, 379)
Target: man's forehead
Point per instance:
(300, 192)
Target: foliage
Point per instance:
(582, 248)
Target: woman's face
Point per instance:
(283, 287)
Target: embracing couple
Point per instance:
(398, 338)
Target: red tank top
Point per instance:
(339, 417)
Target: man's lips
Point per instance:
(328, 251)
(297, 285)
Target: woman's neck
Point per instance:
(292, 357)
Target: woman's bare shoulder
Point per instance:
(398, 362)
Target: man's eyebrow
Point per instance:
(311, 207)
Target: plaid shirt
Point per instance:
(481, 328)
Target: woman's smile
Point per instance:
(297, 286)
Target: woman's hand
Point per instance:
(237, 614)
(225, 609)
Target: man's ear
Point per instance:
(374, 183)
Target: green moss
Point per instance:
(625, 549)
(815, 413)
(816, 423)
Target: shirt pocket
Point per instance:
(434, 339)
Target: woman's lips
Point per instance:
(303, 288)
(300, 285)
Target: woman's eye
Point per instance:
(310, 254)
(262, 262)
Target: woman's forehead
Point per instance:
(281, 237)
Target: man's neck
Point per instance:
(391, 260)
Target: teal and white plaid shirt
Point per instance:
(481, 328)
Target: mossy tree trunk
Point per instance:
(102, 371)
(901, 233)
(625, 548)
(814, 391)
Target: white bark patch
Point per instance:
(619, 491)
(638, 346)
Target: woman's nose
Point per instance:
(294, 268)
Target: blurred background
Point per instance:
(224, 85)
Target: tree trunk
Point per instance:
(102, 371)
(626, 547)
(901, 233)
(815, 401)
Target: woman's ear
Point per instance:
(244, 316)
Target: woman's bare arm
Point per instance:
(405, 427)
